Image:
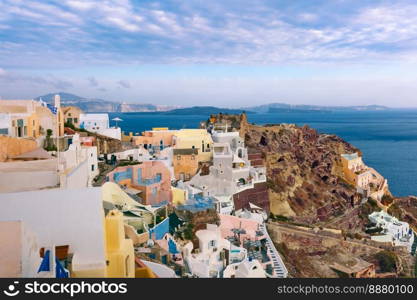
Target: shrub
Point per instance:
(69, 125)
(280, 218)
(387, 261)
(373, 230)
(188, 232)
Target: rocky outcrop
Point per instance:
(304, 170)
(405, 209)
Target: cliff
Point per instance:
(305, 176)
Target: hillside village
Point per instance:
(227, 200)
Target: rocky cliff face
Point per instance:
(405, 209)
(304, 170)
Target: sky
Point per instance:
(228, 53)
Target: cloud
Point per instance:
(124, 84)
(92, 81)
(124, 32)
(34, 80)
(61, 35)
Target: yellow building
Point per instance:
(24, 122)
(195, 139)
(32, 119)
(48, 120)
(71, 115)
(25, 125)
(119, 251)
(179, 196)
(352, 166)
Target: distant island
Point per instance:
(284, 107)
(102, 105)
(205, 110)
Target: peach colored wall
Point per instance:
(10, 146)
(10, 250)
(154, 137)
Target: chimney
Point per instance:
(57, 101)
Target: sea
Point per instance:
(388, 139)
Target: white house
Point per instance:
(394, 231)
(231, 171)
(79, 165)
(42, 213)
(245, 269)
(214, 253)
(99, 123)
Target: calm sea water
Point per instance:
(388, 139)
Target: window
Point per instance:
(75, 120)
(92, 167)
(69, 114)
(178, 157)
(33, 122)
(212, 243)
(193, 147)
(25, 130)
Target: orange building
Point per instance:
(185, 162)
(155, 139)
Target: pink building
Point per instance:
(250, 227)
(152, 179)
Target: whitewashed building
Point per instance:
(42, 214)
(78, 165)
(99, 123)
(393, 231)
(214, 254)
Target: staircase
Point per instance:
(278, 265)
(414, 245)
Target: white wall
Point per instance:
(28, 175)
(114, 133)
(30, 253)
(77, 177)
(62, 217)
(94, 122)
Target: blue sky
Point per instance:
(227, 53)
